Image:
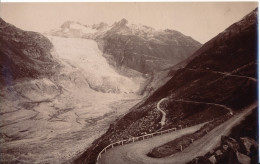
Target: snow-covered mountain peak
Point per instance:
(77, 27)
(73, 29)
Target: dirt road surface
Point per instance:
(136, 152)
(163, 113)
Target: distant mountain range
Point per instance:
(137, 47)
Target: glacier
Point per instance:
(85, 55)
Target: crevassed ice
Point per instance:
(85, 55)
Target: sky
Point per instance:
(200, 20)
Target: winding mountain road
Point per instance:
(163, 113)
(231, 74)
(134, 153)
(199, 102)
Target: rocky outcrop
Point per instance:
(212, 159)
(229, 152)
(247, 145)
(230, 142)
(242, 158)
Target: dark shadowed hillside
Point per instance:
(219, 77)
(231, 53)
(23, 54)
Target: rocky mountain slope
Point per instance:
(24, 54)
(137, 47)
(218, 77)
(144, 49)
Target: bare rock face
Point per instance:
(242, 158)
(23, 54)
(247, 145)
(231, 142)
(219, 153)
(212, 159)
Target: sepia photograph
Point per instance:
(129, 82)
